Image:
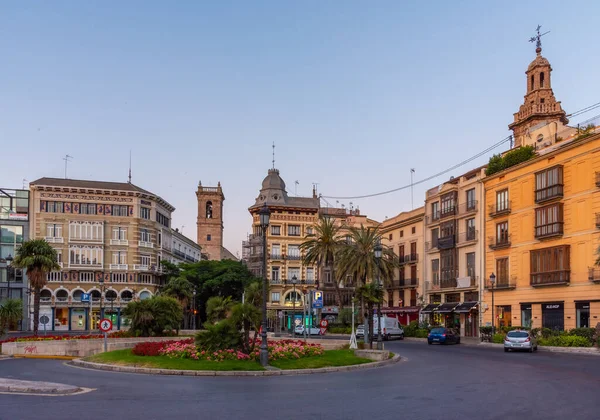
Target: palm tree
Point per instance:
(247, 317)
(321, 247)
(217, 308)
(38, 258)
(181, 289)
(11, 311)
(370, 294)
(357, 259)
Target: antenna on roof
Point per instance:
(412, 203)
(273, 155)
(24, 181)
(130, 166)
(296, 183)
(66, 159)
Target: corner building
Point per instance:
(543, 219)
(109, 240)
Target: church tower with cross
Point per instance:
(210, 221)
(540, 108)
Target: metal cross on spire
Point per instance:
(538, 39)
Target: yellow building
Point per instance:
(404, 234)
(109, 240)
(542, 224)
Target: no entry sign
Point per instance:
(105, 325)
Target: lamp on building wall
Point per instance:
(493, 283)
(378, 250)
(264, 215)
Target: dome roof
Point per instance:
(273, 181)
(538, 61)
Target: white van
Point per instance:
(391, 328)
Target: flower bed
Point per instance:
(186, 349)
(54, 338)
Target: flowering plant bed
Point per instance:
(53, 338)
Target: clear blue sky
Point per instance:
(353, 93)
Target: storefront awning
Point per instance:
(466, 307)
(446, 308)
(430, 308)
(400, 310)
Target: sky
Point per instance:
(353, 94)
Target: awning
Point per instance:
(400, 309)
(430, 308)
(446, 308)
(465, 307)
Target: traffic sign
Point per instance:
(106, 325)
(85, 297)
(44, 319)
(324, 323)
(317, 299)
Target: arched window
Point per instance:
(45, 295)
(209, 210)
(290, 297)
(542, 79)
(145, 295)
(532, 80)
(77, 295)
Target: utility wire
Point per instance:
(458, 165)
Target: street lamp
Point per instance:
(293, 323)
(378, 251)
(264, 214)
(194, 310)
(9, 273)
(493, 283)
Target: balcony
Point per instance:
(432, 246)
(447, 242)
(506, 283)
(597, 179)
(141, 267)
(402, 283)
(465, 238)
(499, 243)
(594, 275)
(54, 240)
(293, 257)
(433, 217)
(549, 231)
(598, 220)
(275, 281)
(275, 256)
(499, 209)
(448, 283)
(119, 242)
(86, 264)
(468, 207)
(551, 278)
(409, 258)
(118, 266)
(448, 212)
(549, 193)
(145, 244)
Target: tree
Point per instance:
(151, 317)
(370, 294)
(181, 289)
(356, 258)
(253, 293)
(37, 258)
(11, 311)
(246, 317)
(218, 308)
(321, 247)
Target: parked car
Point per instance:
(360, 331)
(443, 335)
(391, 328)
(299, 330)
(520, 340)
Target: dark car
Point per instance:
(443, 335)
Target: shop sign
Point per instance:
(330, 309)
(553, 306)
(17, 216)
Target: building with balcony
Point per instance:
(404, 234)
(109, 237)
(14, 229)
(541, 226)
(453, 253)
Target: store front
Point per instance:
(445, 315)
(503, 316)
(330, 313)
(582, 312)
(78, 317)
(468, 318)
(404, 314)
(61, 319)
(428, 315)
(553, 316)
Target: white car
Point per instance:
(299, 330)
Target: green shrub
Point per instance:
(421, 333)
(547, 333)
(411, 329)
(151, 317)
(536, 332)
(485, 330)
(587, 333)
(498, 163)
(340, 329)
(565, 341)
(498, 338)
(220, 336)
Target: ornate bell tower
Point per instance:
(540, 105)
(210, 220)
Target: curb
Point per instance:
(172, 372)
(41, 356)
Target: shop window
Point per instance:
(526, 316)
(583, 314)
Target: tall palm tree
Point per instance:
(357, 259)
(37, 258)
(321, 247)
(181, 289)
(218, 308)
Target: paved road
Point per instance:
(449, 382)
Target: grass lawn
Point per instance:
(126, 358)
(331, 358)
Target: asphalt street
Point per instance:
(433, 382)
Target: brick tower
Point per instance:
(210, 220)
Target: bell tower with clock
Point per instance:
(210, 220)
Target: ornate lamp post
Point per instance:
(264, 215)
(378, 251)
(9, 273)
(493, 283)
(194, 310)
(293, 329)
